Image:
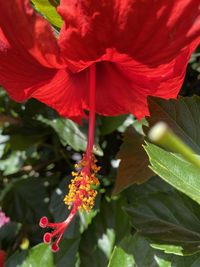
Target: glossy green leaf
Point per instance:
(68, 132)
(150, 257)
(122, 256)
(176, 171)
(138, 248)
(40, 255)
(128, 254)
(22, 198)
(121, 259)
(133, 168)
(48, 9)
(166, 217)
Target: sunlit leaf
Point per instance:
(48, 9)
(122, 257)
(128, 254)
(13, 163)
(176, 171)
(40, 255)
(68, 132)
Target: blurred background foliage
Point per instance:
(139, 219)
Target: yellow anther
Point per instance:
(81, 188)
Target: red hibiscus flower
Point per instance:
(139, 48)
(109, 56)
(2, 257)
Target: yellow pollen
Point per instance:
(81, 189)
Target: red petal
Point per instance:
(59, 89)
(27, 33)
(124, 87)
(152, 32)
(65, 93)
(27, 46)
(20, 73)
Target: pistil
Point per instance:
(81, 194)
(92, 101)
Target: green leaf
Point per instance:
(133, 168)
(166, 217)
(8, 233)
(39, 255)
(123, 257)
(128, 254)
(120, 258)
(24, 200)
(108, 227)
(181, 174)
(47, 8)
(67, 255)
(13, 163)
(109, 124)
(68, 132)
(169, 249)
(182, 116)
(16, 259)
(86, 218)
(18, 142)
(189, 261)
(144, 255)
